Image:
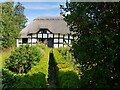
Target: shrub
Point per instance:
(64, 51)
(23, 58)
(36, 80)
(13, 80)
(36, 77)
(58, 57)
(9, 79)
(66, 76)
(68, 79)
(61, 66)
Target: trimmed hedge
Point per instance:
(66, 75)
(68, 79)
(43, 65)
(23, 58)
(13, 80)
(10, 79)
(64, 51)
(35, 78)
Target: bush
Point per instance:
(66, 76)
(36, 77)
(43, 65)
(9, 79)
(68, 79)
(36, 80)
(23, 58)
(64, 51)
(58, 57)
(13, 80)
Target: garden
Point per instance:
(92, 62)
(29, 66)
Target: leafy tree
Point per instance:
(20, 18)
(7, 24)
(12, 21)
(97, 47)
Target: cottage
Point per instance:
(53, 31)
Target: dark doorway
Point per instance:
(50, 43)
(24, 40)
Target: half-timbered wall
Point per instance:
(58, 40)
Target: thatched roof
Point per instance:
(53, 24)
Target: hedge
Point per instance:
(66, 75)
(23, 58)
(35, 78)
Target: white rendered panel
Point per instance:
(61, 35)
(17, 43)
(55, 40)
(34, 35)
(29, 40)
(39, 35)
(39, 31)
(55, 35)
(55, 45)
(44, 35)
(69, 41)
(61, 40)
(19, 40)
(71, 37)
(66, 36)
(50, 35)
(34, 40)
(48, 32)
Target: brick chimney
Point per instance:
(61, 13)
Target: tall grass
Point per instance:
(5, 53)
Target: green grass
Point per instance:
(5, 54)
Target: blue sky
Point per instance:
(35, 9)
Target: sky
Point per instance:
(35, 9)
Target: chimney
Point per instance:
(61, 7)
(61, 13)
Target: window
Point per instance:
(24, 40)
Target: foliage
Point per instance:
(68, 79)
(58, 57)
(23, 58)
(4, 54)
(66, 75)
(97, 47)
(64, 51)
(12, 21)
(9, 78)
(36, 80)
(33, 80)
(36, 77)
(43, 65)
